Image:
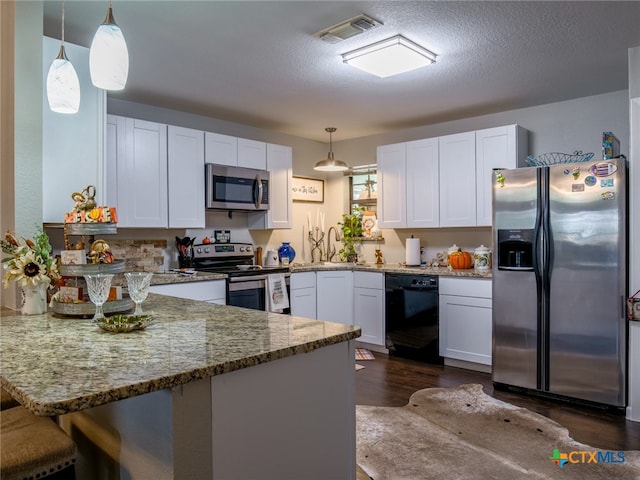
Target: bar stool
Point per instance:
(34, 447)
(6, 400)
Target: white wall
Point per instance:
(23, 176)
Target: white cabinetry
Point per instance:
(500, 147)
(252, 154)
(72, 145)
(408, 184)
(335, 296)
(212, 291)
(155, 174)
(368, 306)
(221, 149)
(392, 172)
(235, 152)
(445, 181)
(280, 213)
(303, 294)
(465, 322)
(142, 173)
(186, 178)
(458, 180)
(423, 183)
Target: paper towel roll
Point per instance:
(412, 251)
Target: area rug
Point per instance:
(364, 354)
(462, 433)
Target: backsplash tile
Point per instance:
(140, 255)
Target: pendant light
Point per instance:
(331, 164)
(108, 56)
(63, 86)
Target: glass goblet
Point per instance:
(138, 285)
(98, 285)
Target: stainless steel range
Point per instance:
(246, 282)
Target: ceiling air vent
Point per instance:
(350, 28)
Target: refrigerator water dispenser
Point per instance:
(515, 249)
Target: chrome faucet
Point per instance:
(331, 252)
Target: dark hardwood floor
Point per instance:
(390, 381)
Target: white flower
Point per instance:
(27, 269)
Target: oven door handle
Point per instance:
(248, 283)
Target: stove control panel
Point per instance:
(223, 250)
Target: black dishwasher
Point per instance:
(411, 317)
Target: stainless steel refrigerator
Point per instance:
(559, 280)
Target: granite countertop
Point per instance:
(164, 278)
(390, 268)
(54, 365)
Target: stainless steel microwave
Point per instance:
(236, 188)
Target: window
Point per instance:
(363, 187)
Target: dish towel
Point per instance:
(276, 293)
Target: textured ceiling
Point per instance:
(259, 63)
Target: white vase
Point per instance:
(34, 299)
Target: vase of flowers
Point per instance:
(31, 265)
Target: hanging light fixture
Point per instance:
(330, 164)
(63, 86)
(108, 56)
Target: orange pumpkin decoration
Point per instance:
(460, 260)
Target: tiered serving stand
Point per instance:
(87, 308)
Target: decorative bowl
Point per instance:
(554, 158)
(124, 323)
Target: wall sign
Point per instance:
(304, 189)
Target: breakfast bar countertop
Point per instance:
(54, 365)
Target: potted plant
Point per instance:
(351, 227)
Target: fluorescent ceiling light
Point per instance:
(390, 57)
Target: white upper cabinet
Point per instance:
(185, 167)
(496, 148)
(392, 172)
(235, 152)
(221, 149)
(142, 174)
(423, 189)
(445, 181)
(155, 174)
(458, 180)
(252, 154)
(72, 145)
(280, 213)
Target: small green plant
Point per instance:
(351, 227)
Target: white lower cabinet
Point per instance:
(334, 300)
(465, 321)
(212, 291)
(303, 294)
(368, 306)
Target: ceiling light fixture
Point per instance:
(390, 57)
(63, 86)
(330, 164)
(108, 56)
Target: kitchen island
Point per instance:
(206, 391)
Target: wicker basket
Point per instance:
(555, 158)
